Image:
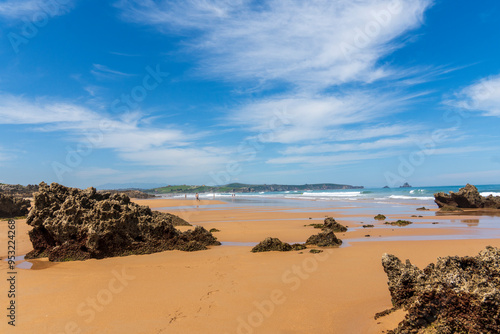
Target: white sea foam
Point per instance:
(488, 193)
(333, 194)
(410, 197)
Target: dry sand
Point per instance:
(226, 289)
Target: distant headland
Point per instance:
(249, 188)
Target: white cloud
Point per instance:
(104, 72)
(202, 157)
(483, 96)
(363, 146)
(337, 159)
(293, 119)
(371, 152)
(132, 138)
(16, 9)
(20, 110)
(310, 44)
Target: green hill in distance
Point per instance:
(248, 188)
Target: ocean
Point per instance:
(386, 195)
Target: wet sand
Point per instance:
(228, 289)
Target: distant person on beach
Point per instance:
(197, 197)
(185, 196)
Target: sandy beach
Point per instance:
(228, 289)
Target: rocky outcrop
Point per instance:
(467, 198)
(324, 239)
(18, 190)
(11, 207)
(275, 244)
(455, 295)
(74, 224)
(399, 223)
(331, 224)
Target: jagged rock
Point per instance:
(298, 246)
(400, 223)
(11, 207)
(455, 295)
(73, 224)
(331, 224)
(275, 244)
(18, 190)
(467, 197)
(324, 239)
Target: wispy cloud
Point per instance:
(19, 110)
(17, 9)
(308, 48)
(104, 72)
(356, 146)
(318, 117)
(372, 153)
(132, 138)
(314, 44)
(482, 96)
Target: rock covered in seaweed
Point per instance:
(467, 198)
(11, 207)
(455, 295)
(332, 224)
(275, 244)
(324, 239)
(74, 224)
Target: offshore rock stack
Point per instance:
(73, 224)
(467, 198)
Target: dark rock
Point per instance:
(272, 244)
(18, 190)
(399, 223)
(384, 313)
(448, 208)
(455, 295)
(331, 224)
(73, 224)
(379, 217)
(12, 207)
(423, 209)
(406, 185)
(324, 239)
(298, 247)
(368, 226)
(212, 230)
(316, 251)
(316, 225)
(467, 198)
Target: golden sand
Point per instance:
(226, 289)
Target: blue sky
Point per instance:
(367, 92)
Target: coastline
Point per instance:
(229, 288)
